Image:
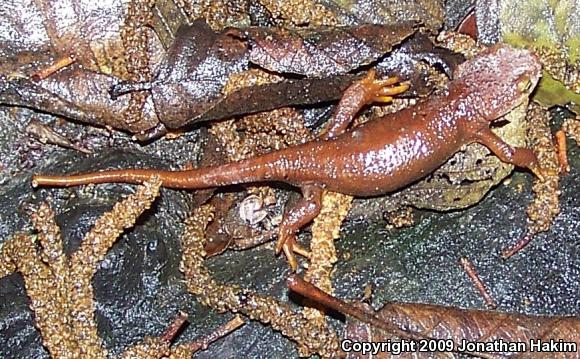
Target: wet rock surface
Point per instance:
(420, 264)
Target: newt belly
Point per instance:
(379, 156)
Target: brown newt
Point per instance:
(379, 156)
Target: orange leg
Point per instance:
(307, 208)
(517, 156)
(382, 90)
(359, 94)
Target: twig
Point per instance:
(562, 152)
(223, 330)
(59, 64)
(518, 246)
(302, 287)
(174, 327)
(477, 282)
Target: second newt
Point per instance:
(380, 156)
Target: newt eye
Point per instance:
(524, 84)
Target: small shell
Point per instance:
(252, 210)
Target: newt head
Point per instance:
(500, 78)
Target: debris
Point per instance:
(545, 205)
(135, 41)
(45, 134)
(223, 330)
(325, 230)
(560, 138)
(60, 289)
(310, 337)
(477, 282)
(59, 64)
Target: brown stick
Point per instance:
(477, 282)
(203, 342)
(59, 64)
(508, 252)
(174, 327)
(302, 287)
(562, 152)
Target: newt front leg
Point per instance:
(517, 156)
(356, 96)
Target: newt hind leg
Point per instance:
(304, 211)
(358, 95)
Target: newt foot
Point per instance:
(542, 173)
(382, 90)
(289, 246)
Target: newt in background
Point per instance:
(380, 156)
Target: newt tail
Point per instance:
(200, 178)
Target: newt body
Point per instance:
(379, 156)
